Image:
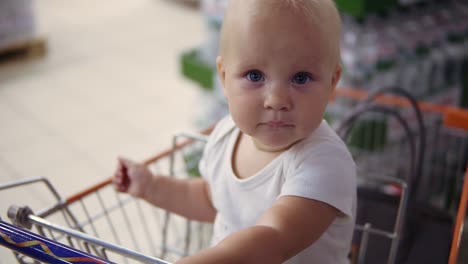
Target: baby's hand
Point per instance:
(132, 177)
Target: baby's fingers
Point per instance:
(121, 184)
(117, 179)
(121, 180)
(125, 163)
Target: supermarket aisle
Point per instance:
(109, 85)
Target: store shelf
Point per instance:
(26, 49)
(190, 3)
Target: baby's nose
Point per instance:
(278, 99)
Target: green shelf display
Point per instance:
(361, 8)
(196, 70)
(369, 135)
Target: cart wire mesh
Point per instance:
(113, 226)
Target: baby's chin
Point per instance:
(273, 146)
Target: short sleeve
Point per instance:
(325, 173)
(222, 128)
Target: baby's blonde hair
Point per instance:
(322, 13)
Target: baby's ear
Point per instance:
(336, 75)
(221, 69)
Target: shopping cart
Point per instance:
(100, 225)
(423, 145)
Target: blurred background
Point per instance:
(82, 82)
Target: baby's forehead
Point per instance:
(312, 9)
(315, 18)
(318, 15)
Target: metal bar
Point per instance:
(27, 181)
(399, 223)
(192, 137)
(145, 227)
(128, 223)
(51, 210)
(40, 248)
(187, 240)
(108, 218)
(88, 217)
(105, 211)
(374, 231)
(363, 245)
(97, 242)
(32, 180)
(176, 147)
(167, 215)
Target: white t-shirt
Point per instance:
(318, 167)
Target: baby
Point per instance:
(278, 183)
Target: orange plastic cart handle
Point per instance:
(457, 232)
(453, 117)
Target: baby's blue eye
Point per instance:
(301, 78)
(255, 76)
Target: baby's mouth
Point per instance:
(278, 124)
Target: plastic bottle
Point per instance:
(349, 57)
(454, 50)
(367, 50)
(387, 55)
(415, 72)
(435, 35)
(461, 10)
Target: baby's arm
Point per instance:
(187, 197)
(288, 227)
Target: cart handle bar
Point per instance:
(457, 232)
(40, 248)
(453, 116)
(95, 241)
(147, 162)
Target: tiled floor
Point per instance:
(108, 86)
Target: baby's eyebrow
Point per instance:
(248, 63)
(250, 67)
